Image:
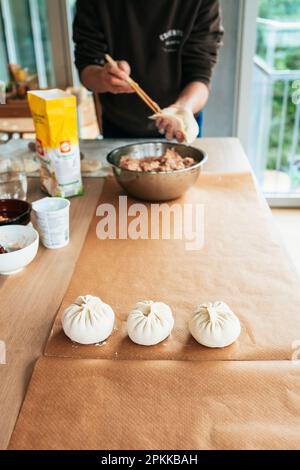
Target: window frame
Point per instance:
(60, 31)
(245, 56)
(243, 105)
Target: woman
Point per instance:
(170, 48)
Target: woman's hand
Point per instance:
(169, 126)
(191, 101)
(177, 122)
(115, 78)
(107, 79)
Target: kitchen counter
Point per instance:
(31, 299)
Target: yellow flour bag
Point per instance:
(55, 119)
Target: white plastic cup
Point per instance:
(53, 220)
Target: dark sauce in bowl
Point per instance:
(14, 212)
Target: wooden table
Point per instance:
(15, 108)
(30, 299)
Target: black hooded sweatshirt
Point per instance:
(168, 44)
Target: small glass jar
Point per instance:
(13, 180)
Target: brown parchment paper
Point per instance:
(242, 263)
(117, 405)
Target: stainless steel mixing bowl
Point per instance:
(154, 186)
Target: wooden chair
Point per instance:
(98, 109)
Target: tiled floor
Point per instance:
(288, 222)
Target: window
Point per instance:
(3, 53)
(72, 4)
(72, 7)
(24, 38)
(275, 142)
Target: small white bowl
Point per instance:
(13, 236)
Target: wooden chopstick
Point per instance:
(154, 106)
(139, 91)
